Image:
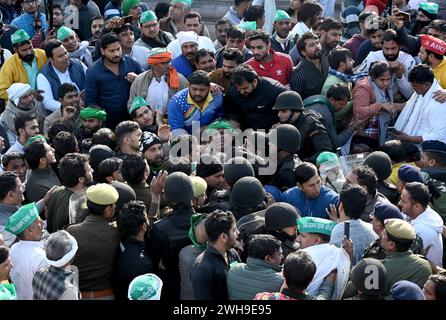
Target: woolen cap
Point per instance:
(280, 215)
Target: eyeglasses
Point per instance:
(150, 26)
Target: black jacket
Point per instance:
(284, 176)
(209, 273)
(314, 137)
(132, 261)
(254, 111)
(166, 239)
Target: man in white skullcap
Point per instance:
(57, 281)
(21, 103)
(185, 63)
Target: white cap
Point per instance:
(187, 36)
(16, 91)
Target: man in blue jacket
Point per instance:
(108, 80)
(31, 20)
(309, 197)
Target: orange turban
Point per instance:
(166, 56)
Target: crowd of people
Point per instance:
(293, 156)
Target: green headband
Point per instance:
(64, 33)
(22, 218)
(186, 2)
(315, 225)
(137, 103)
(93, 113)
(19, 36)
(147, 16)
(34, 139)
(248, 25)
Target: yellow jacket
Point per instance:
(440, 73)
(13, 71)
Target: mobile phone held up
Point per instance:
(403, 15)
(347, 229)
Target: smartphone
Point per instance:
(347, 229)
(127, 19)
(404, 15)
(392, 129)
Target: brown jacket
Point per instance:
(217, 77)
(364, 100)
(167, 25)
(98, 241)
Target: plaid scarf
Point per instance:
(353, 78)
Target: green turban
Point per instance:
(127, 5)
(93, 113)
(281, 15)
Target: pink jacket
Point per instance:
(364, 100)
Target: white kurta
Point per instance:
(203, 43)
(423, 116)
(429, 227)
(27, 257)
(158, 95)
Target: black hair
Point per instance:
(260, 35)
(330, 24)
(8, 157)
(298, 270)
(244, 73)
(161, 10)
(123, 129)
(19, 122)
(262, 245)
(375, 24)
(300, 44)
(50, 46)
(4, 253)
(439, 281)
(71, 168)
(96, 18)
(107, 39)
(191, 15)
(58, 6)
(239, 2)
(131, 217)
(16, 45)
(439, 157)
(34, 152)
(391, 35)
(65, 88)
(107, 167)
(367, 178)
(8, 183)
(254, 13)
(308, 10)
(338, 55)
(411, 152)
(421, 74)
(394, 150)
(401, 245)
(178, 164)
(233, 54)
(64, 142)
(378, 68)
(354, 200)
(104, 136)
(58, 126)
(235, 32)
(304, 172)
(364, 15)
(199, 77)
(438, 24)
(96, 209)
(124, 28)
(221, 22)
(218, 222)
(133, 168)
(419, 193)
(203, 53)
(339, 91)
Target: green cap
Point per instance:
(155, 51)
(281, 15)
(221, 124)
(248, 25)
(19, 36)
(127, 5)
(22, 218)
(7, 292)
(64, 33)
(315, 225)
(93, 113)
(137, 103)
(145, 287)
(194, 220)
(430, 7)
(35, 138)
(186, 2)
(147, 16)
(325, 156)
